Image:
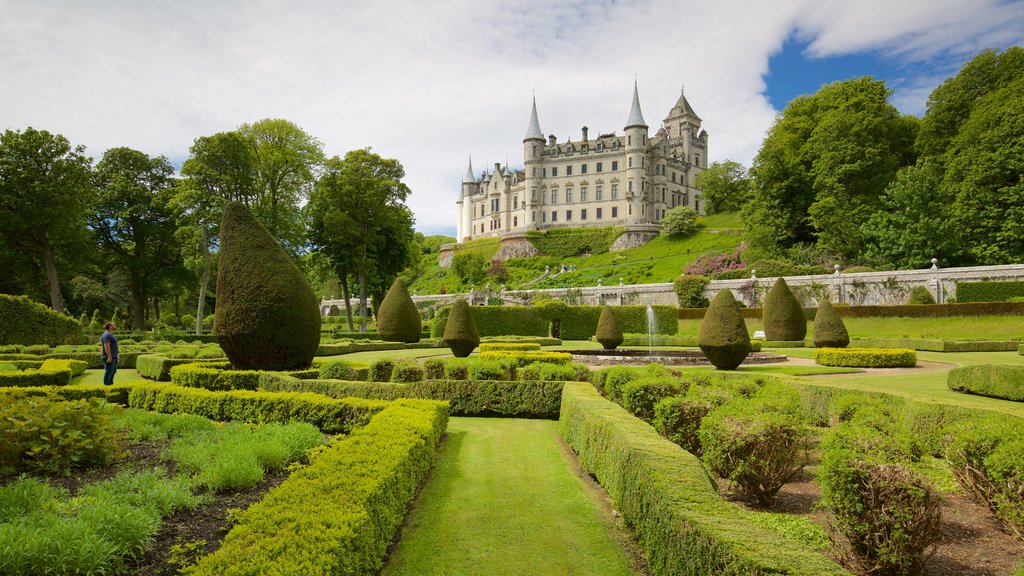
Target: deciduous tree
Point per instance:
(725, 186)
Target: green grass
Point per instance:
(954, 328)
(503, 500)
(95, 376)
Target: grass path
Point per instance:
(95, 376)
(503, 499)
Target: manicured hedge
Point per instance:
(658, 340)
(94, 360)
(580, 322)
(528, 357)
(512, 339)
(995, 380)
(673, 506)
(783, 343)
(937, 345)
(994, 291)
(23, 321)
(576, 322)
(331, 415)
(1020, 349)
(214, 376)
(967, 309)
(521, 399)
(115, 394)
(498, 321)
(866, 357)
(373, 346)
(339, 514)
(509, 346)
(49, 373)
(158, 367)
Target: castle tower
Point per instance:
(533, 156)
(636, 163)
(683, 125)
(465, 204)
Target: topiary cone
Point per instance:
(398, 319)
(829, 329)
(723, 336)
(460, 332)
(608, 332)
(267, 316)
(784, 317)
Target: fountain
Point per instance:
(652, 323)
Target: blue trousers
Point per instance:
(109, 369)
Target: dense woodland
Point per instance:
(842, 176)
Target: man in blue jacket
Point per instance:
(109, 342)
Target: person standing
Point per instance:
(109, 342)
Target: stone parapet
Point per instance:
(445, 255)
(516, 245)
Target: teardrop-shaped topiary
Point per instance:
(267, 316)
(608, 332)
(723, 336)
(398, 319)
(784, 317)
(829, 329)
(460, 332)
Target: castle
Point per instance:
(612, 180)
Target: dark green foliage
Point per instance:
(55, 436)
(214, 376)
(678, 419)
(829, 329)
(23, 321)
(398, 319)
(380, 370)
(690, 291)
(641, 395)
(407, 371)
(994, 380)
(469, 267)
(460, 332)
(920, 295)
(433, 369)
(158, 367)
(994, 291)
(267, 315)
(498, 321)
(680, 222)
(784, 317)
(608, 332)
(575, 322)
(569, 242)
(723, 336)
(492, 370)
(580, 322)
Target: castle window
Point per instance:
(673, 177)
(629, 140)
(583, 214)
(554, 196)
(515, 202)
(657, 169)
(533, 195)
(543, 216)
(583, 169)
(568, 170)
(615, 165)
(599, 192)
(599, 213)
(630, 186)
(515, 221)
(568, 196)
(545, 172)
(696, 159)
(554, 216)
(534, 151)
(629, 162)
(568, 215)
(554, 171)
(615, 211)
(599, 166)
(600, 147)
(583, 194)
(615, 191)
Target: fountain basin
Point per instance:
(667, 357)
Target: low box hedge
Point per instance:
(993, 380)
(938, 345)
(657, 340)
(158, 367)
(339, 514)
(94, 360)
(575, 322)
(783, 343)
(991, 291)
(519, 399)
(1020, 349)
(542, 340)
(665, 494)
(527, 357)
(966, 310)
(338, 348)
(23, 321)
(866, 357)
(509, 346)
(49, 373)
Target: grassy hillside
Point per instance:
(661, 260)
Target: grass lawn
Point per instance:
(96, 376)
(503, 499)
(954, 328)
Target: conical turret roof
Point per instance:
(682, 107)
(636, 118)
(469, 173)
(533, 132)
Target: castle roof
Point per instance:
(533, 132)
(469, 173)
(682, 108)
(636, 118)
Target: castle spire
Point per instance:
(469, 179)
(636, 118)
(533, 132)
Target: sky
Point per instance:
(433, 83)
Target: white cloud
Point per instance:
(430, 82)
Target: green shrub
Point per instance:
(783, 316)
(580, 322)
(23, 321)
(723, 336)
(407, 371)
(528, 357)
(680, 222)
(993, 380)
(456, 369)
(678, 419)
(338, 370)
(829, 329)
(492, 369)
(640, 396)
(214, 376)
(398, 319)
(327, 520)
(267, 316)
(460, 332)
(49, 373)
(509, 347)
(49, 435)
(608, 332)
(920, 295)
(616, 378)
(757, 449)
(865, 357)
(380, 370)
(433, 369)
(991, 291)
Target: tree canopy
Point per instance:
(725, 186)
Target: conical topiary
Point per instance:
(267, 316)
(784, 317)
(398, 319)
(460, 332)
(723, 334)
(608, 332)
(829, 329)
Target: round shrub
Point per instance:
(456, 369)
(641, 395)
(380, 370)
(829, 329)
(460, 332)
(690, 290)
(338, 370)
(398, 319)
(723, 336)
(679, 418)
(407, 371)
(433, 369)
(784, 317)
(267, 315)
(492, 370)
(866, 357)
(920, 295)
(608, 332)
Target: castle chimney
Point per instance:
(585, 134)
(551, 140)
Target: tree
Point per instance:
(723, 336)
(823, 166)
(286, 161)
(680, 222)
(469, 267)
(220, 169)
(134, 224)
(44, 197)
(725, 186)
(359, 220)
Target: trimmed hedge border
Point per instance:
(515, 399)
(23, 321)
(936, 345)
(993, 380)
(901, 311)
(783, 343)
(866, 357)
(49, 373)
(1020, 349)
(339, 514)
(665, 494)
(158, 367)
(990, 291)
(576, 322)
(374, 346)
(527, 357)
(542, 340)
(509, 347)
(218, 376)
